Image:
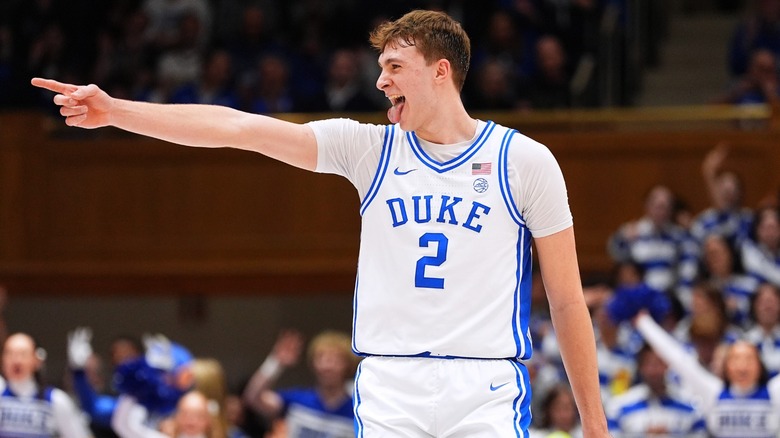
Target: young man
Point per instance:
(449, 205)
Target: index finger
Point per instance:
(52, 85)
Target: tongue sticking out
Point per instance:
(394, 113)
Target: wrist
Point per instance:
(271, 368)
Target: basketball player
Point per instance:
(449, 207)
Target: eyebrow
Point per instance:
(390, 60)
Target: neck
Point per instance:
(26, 387)
(449, 128)
(332, 396)
(448, 122)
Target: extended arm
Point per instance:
(190, 125)
(572, 323)
(682, 362)
(258, 393)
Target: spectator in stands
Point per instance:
(327, 408)
(662, 249)
(648, 408)
(344, 91)
(721, 269)
(759, 84)
(151, 386)
(125, 62)
(215, 85)
(165, 19)
(271, 92)
(726, 215)
(505, 44)
(558, 416)
(25, 396)
(96, 401)
(549, 86)
(182, 62)
(760, 253)
(742, 403)
(760, 29)
(493, 89)
(706, 326)
(765, 333)
(255, 39)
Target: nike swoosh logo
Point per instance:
(496, 388)
(401, 172)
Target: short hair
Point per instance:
(435, 34)
(337, 340)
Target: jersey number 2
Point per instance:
(420, 280)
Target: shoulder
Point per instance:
(523, 146)
(346, 127)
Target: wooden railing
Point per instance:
(109, 212)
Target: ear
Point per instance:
(443, 71)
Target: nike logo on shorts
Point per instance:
(397, 171)
(496, 388)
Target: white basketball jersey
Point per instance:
(445, 257)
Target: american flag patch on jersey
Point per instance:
(481, 168)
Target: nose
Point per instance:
(382, 82)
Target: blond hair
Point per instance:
(435, 34)
(336, 340)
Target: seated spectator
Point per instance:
(558, 416)
(165, 17)
(493, 89)
(760, 253)
(549, 85)
(648, 408)
(344, 90)
(662, 249)
(707, 324)
(215, 85)
(183, 62)
(721, 269)
(760, 29)
(270, 91)
(25, 396)
(765, 333)
(759, 84)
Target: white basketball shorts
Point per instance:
(436, 397)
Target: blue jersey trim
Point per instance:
(503, 169)
(358, 400)
(522, 403)
(384, 160)
(455, 162)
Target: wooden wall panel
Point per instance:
(105, 211)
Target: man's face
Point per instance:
(407, 81)
(19, 359)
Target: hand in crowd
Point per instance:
(79, 347)
(288, 347)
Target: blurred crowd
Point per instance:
(268, 56)
(687, 330)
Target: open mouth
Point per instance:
(396, 99)
(394, 113)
